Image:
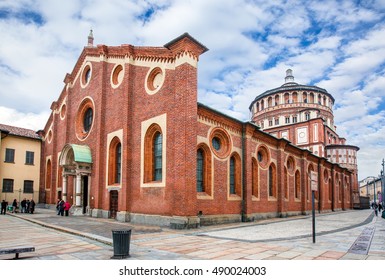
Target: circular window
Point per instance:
(220, 142)
(63, 111)
(117, 76)
(84, 119)
(290, 164)
(216, 142)
(87, 120)
(263, 156)
(154, 80)
(260, 156)
(86, 75)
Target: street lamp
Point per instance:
(19, 194)
(374, 186)
(383, 182)
(374, 189)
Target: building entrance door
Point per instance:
(85, 193)
(113, 203)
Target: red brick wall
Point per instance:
(128, 106)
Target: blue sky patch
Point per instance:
(25, 16)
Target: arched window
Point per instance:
(330, 190)
(232, 175)
(304, 97)
(203, 180)
(276, 100)
(200, 171)
(114, 161)
(48, 181)
(297, 185)
(311, 98)
(286, 98)
(254, 178)
(157, 157)
(307, 116)
(153, 154)
(272, 181)
(295, 97)
(118, 162)
(235, 175)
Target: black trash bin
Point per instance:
(121, 243)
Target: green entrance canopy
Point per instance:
(82, 153)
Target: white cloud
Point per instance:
(25, 120)
(336, 44)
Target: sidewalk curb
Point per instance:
(98, 238)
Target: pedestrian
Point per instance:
(61, 208)
(58, 206)
(67, 207)
(27, 206)
(375, 207)
(14, 205)
(4, 205)
(32, 206)
(380, 207)
(23, 204)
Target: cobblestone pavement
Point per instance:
(346, 235)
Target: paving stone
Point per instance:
(86, 238)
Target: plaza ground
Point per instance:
(345, 235)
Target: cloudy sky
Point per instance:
(336, 45)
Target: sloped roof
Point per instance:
(18, 131)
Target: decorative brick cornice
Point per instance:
(178, 49)
(211, 116)
(186, 44)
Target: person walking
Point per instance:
(375, 207)
(27, 206)
(58, 206)
(4, 205)
(67, 207)
(23, 204)
(14, 205)
(61, 208)
(32, 206)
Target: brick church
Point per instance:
(128, 140)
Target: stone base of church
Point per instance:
(76, 211)
(123, 216)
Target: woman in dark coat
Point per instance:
(32, 206)
(14, 205)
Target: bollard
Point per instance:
(121, 243)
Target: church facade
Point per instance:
(128, 140)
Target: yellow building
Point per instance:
(20, 151)
(371, 187)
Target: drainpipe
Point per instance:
(320, 193)
(244, 173)
(333, 188)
